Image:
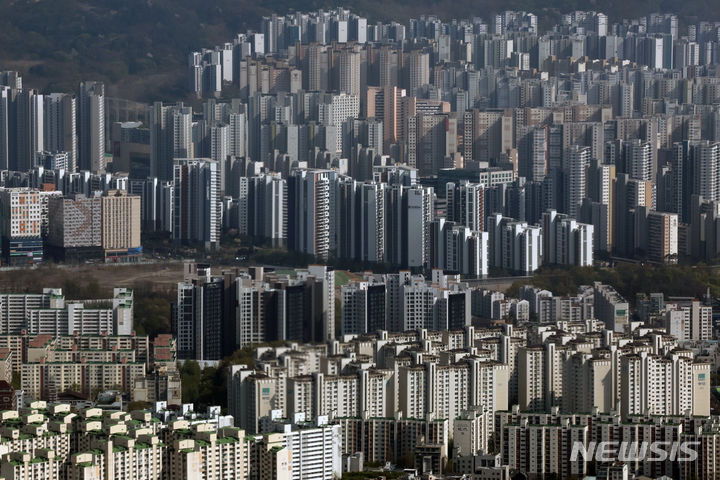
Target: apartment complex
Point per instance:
(216, 314)
(94, 226)
(527, 441)
(50, 313)
(450, 384)
(58, 443)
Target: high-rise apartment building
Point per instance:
(26, 122)
(335, 109)
(611, 308)
(198, 318)
(597, 208)
(648, 383)
(260, 313)
(706, 170)
(566, 241)
(50, 315)
(363, 307)
(91, 113)
(316, 71)
(390, 105)
(5, 100)
(389, 67)
(430, 138)
(360, 218)
(529, 439)
(662, 237)
(21, 225)
(267, 209)
(577, 162)
(121, 220)
(76, 224)
(140, 444)
(321, 281)
(515, 246)
(457, 248)
(197, 205)
(466, 204)
(348, 71)
(688, 319)
(417, 65)
(311, 203)
(412, 226)
(156, 202)
(532, 145)
(52, 160)
(60, 129)
(170, 138)
(486, 134)
(630, 195)
(531, 376)
(639, 160)
(314, 449)
(219, 150)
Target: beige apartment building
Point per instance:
(121, 221)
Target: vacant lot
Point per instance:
(161, 275)
(99, 280)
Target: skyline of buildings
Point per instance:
(445, 154)
(411, 367)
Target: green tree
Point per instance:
(89, 290)
(152, 308)
(190, 375)
(137, 405)
(16, 382)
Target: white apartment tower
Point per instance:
(566, 241)
(577, 161)
(348, 69)
(466, 205)
(418, 68)
(662, 386)
(419, 213)
(707, 170)
(219, 150)
(170, 137)
(333, 110)
(92, 126)
(639, 159)
(513, 245)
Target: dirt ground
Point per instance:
(107, 276)
(163, 276)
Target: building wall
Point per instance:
(121, 221)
